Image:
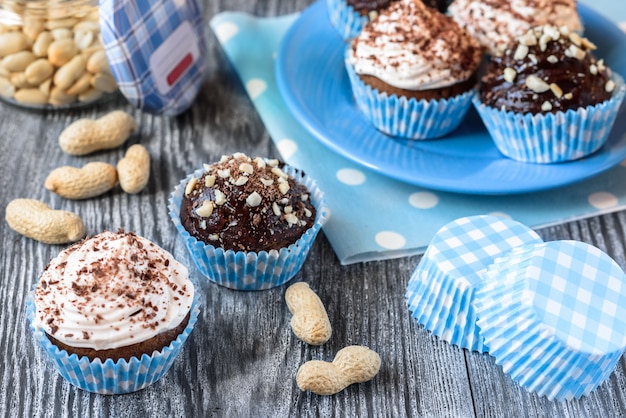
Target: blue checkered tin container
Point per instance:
(156, 50)
(345, 19)
(241, 270)
(441, 291)
(552, 137)
(408, 118)
(554, 316)
(113, 377)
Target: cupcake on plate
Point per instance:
(548, 98)
(112, 312)
(349, 16)
(497, 23)
(413, 71)
(248, 222)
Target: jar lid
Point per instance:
(156, 50)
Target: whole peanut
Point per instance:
(36, 220)
(352, 364)
(85, 136)
(309, 321)
(93, 179)
(133, 171)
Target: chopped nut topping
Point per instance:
(241, 181)
(610, 86)
(558, 92)
(291, 219)
(283, 187)
(521, 52)
(266, 182)
(225, 173)
(546, 106)
(575, 38)
(588, 45)
(206, 209)
(288, 209)
(240, 155)
(220, 198)
(373, 14)
(575, 52)
(307, 213)
(568, 96)
(276, 209)
(304, 197)
(246, 168)
(272, 163)
(209, 181)
(280, 173)
(253, 199)
(552, 59)
(593, 69)
(528, 39)
(190, 185)
(510, 74)
(214, 237)
(536, 84)
(260, 162)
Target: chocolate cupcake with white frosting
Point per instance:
(113, 311)
(413, 71)
(497, 23)
(549, 98)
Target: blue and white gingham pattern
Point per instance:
(132, 31)
(113, 377)
(342, 16)
(441, 290)
(409, 118)
(250, 270)
(554, 316)
(552, 137)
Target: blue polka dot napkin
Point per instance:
(373, 217)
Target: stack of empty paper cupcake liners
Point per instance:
(552, 314)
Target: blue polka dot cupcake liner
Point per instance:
(552, 137)
(248, 270)
(441, 291)
(112, 377)
(409, 118)
(554, 316)
(345, 19)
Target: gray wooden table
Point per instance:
(242, 357)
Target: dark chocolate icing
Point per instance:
(279, 219)
(566, 67)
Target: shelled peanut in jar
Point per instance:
(51, 54)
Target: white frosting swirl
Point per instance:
(112, 290)
(497, 23)
(413, 47)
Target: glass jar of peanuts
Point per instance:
(51, 54)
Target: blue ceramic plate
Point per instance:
(313, 82)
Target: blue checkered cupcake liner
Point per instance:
(250, 270)
(162, 81)
(112, 377)
(552, 137)
(345, 19)
(441, 290)
(409, 118)
(554, 316)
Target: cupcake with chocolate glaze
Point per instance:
(112, 312)
(548, 98)
(497, 23)
(248, 222)
(413, 71)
